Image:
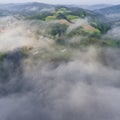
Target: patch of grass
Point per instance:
(41, 16)
(98, 42)
(55, 54)
(72, 17)
(111, 43)
(88, 41)
(75, 32)
(49, 18)
(58, 29)
(63, 10)
(2, 55)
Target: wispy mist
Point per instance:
(85, 88)
(113, 33)
(37, 86)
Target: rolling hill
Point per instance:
(25, 8)
(111, 13)
(91, 7)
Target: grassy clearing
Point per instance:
(72, 17)
(49, 18)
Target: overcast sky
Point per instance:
(82, 2)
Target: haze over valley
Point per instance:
(59, 62)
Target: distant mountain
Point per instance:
(34, 8)
(41, 11)
(25, 8)
(111, 13)
(99, 6)
(110, 10)
(92, 7)
(4, 12)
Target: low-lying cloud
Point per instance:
(86, 87)
(113, 33)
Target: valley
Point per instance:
(59, 62)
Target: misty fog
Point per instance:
(113, 33)
(85, 87)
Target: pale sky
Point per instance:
(80, 2)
